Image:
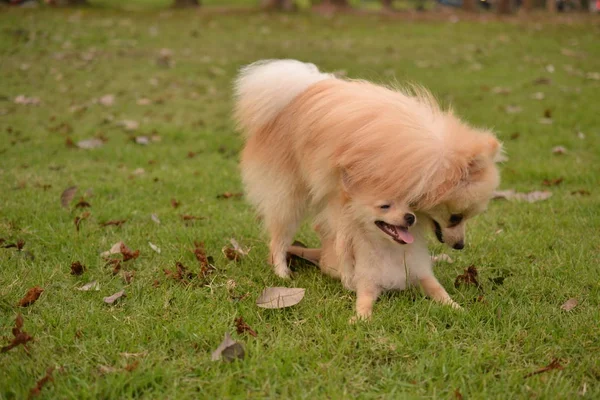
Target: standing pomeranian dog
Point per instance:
(375, 166)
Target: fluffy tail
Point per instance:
(263, 89)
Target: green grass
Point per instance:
(548, 252)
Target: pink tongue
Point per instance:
(405, 236)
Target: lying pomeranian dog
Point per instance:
(375, 166)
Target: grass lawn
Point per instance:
(157, 341)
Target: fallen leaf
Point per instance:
(144, 140)
(144, 101)
(546, 121)
(129, 125)
(442, 257)
(554, 364)
(128, 254)
(106, 369)
(128, 276)
(538, 96)
(581, 192)
(114, 297)
(497, 281)
(115, 222)
(77, 268)
(154, 247)
(93, 285)
(242, 327)
(552, 182)
(31, 297)
(115, 249)
(78, 219)
(181, 274)
(175, 203)
(515, 136)
(512, 109)
(132, 366)
(228, 195)
(107, 100)
(88, 144)
(468, 278)
(187, 217)
(457, 394)
(581, 135)
(500, 90)
(19, 245)
(164, 58)
(547, 113)
(67, 196)
(559, 150)
(139, 171)
(236, 253)
(35, 391)
(129, 355)
(530, 197)
(82, 204)
(228, 350)
(550, 68)
(569, 304)
(154, 218)
(280, 297)
(116, 264)
(542, 81)
(20, 337)
(28, 101)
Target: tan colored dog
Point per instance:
(376, 167)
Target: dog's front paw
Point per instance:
(455, 305)
(283, 272)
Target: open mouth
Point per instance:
(438, 231)
(400, 234)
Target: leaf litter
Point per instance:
(229, 350)
(67, 196)
(242, 327)
(554, 364)
(77, 268)
(37, 389)
(93, 285)
(236, 252)
(530, 197)
(569, 304)
(31, 297)
(154, 247)
(280, 297)
(113, 298)
(468, 278)
(20, 337)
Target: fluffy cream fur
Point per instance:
(353, 153)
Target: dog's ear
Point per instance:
(346, 181)
(490, 150)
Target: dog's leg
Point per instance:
(436, 291)
(312, 255)
(366, 295)
(282, 233)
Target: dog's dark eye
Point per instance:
(385, 206)
(455, 219)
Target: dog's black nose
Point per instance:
(410, 218)
(459, 245)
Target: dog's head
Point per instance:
(388, 218)
(472, 177)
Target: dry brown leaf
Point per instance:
(20, 337)
(114, 297)
(175, 203)
(132, 366)
(187, 217)
(128, 254)
(35, 391)
(242, 327)
(552, 182)
(442, 257)
(581, 192)
(181, 274)
(80, 218)
(88, 144)
(468, 278)
(128, 276)
(67, 196)
(114, 222)
(559, 150)
(228, 195)
(115, 249)
(457, 394)
(77, 268)
(554, 364)
(530, 197)
(229, 350)
(19, 245)
(236, 252)
(154, 218)
(82, 203)
(129, 125)
(154, 247)
(107, 100)
(93, 285)
(280, 297)
(28, 101)
(569, 304)
(31, 297)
